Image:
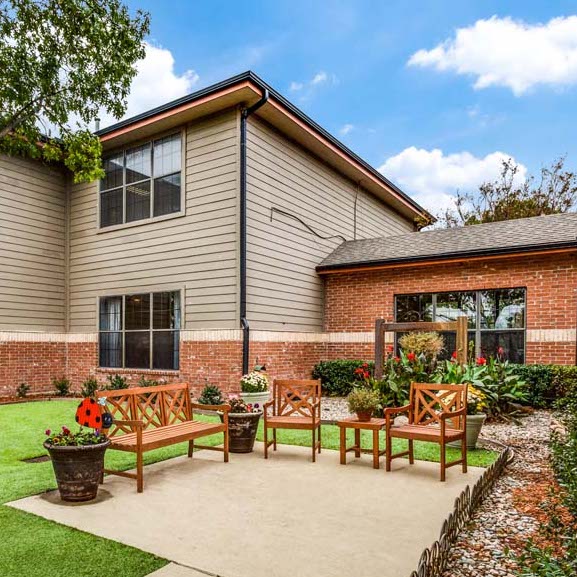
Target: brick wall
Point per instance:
(33, 363)
(355, 300)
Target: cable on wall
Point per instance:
(309, 228)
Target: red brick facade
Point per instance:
(355, 300)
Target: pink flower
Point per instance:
(481, 361)
(500, 350)
(411, 356)
(48, 432)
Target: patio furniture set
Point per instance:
(147, 418)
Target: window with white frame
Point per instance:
(140, 331)
(142, 182)
(496, 318)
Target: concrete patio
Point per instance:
(275, 518)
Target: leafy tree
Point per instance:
(507, 198)
(63, 59)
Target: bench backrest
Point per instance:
(154, 406)
(427, 400)
(296, 397)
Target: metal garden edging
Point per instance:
(434, 559)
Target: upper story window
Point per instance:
(141, 182)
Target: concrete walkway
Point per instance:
(277, 518)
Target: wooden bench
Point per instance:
(296, 404)
(438, 414)
(147, 418)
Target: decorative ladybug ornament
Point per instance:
(107, 420)
(89, 414)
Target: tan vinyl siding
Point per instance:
(32, 246)
(196, 252)
(283, 290)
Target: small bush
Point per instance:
(116, 383)
(61, 386)
(337, 377)
(144, 382)
(211, 395)
(22, 390)
(363, 401)
(89, 387)
(547, 383)
(422, 343)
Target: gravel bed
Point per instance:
(334, 408)
(498, 525)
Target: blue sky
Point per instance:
(437, 124)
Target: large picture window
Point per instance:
(496, 318)
(141, 182)
(140, 331)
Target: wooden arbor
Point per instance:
(381, 327)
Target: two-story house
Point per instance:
(230, 227)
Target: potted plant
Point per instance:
(363, 402)
(476, 405)
(254, 387)
(242, 425)
(78, 461)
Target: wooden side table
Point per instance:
(374, 425)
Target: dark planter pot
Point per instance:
(78, 470)
(364, 416)
(242, 429)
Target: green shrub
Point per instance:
(89, 387)
(337, 377)
(547, 383)
(363, 401)
(211, 395)
(116, 383)
(144, 382)
(61, 386)
(22, 390)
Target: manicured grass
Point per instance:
(33, 546)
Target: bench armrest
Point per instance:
(451, 414)
(397, 410)
(131, 424)
(222, 408)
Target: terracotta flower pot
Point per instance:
(242, 428)
(364, 416)
(78, 470)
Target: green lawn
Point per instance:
(35, 547)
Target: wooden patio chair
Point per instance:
(296, 404)
(438, 414)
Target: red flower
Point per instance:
(366, 375)
(65, 430)
(397, 359)
(411, 356)
(390, 348)
(454, 355)
(500, 350)
(47, 432)
(359, 371)
(481, 361)
(365, 365)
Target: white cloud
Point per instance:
(433, 178)
(155, 83)
(308, 88)
(346, 129)
(319, 78)
(510, 53)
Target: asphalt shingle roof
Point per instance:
(509, 236)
